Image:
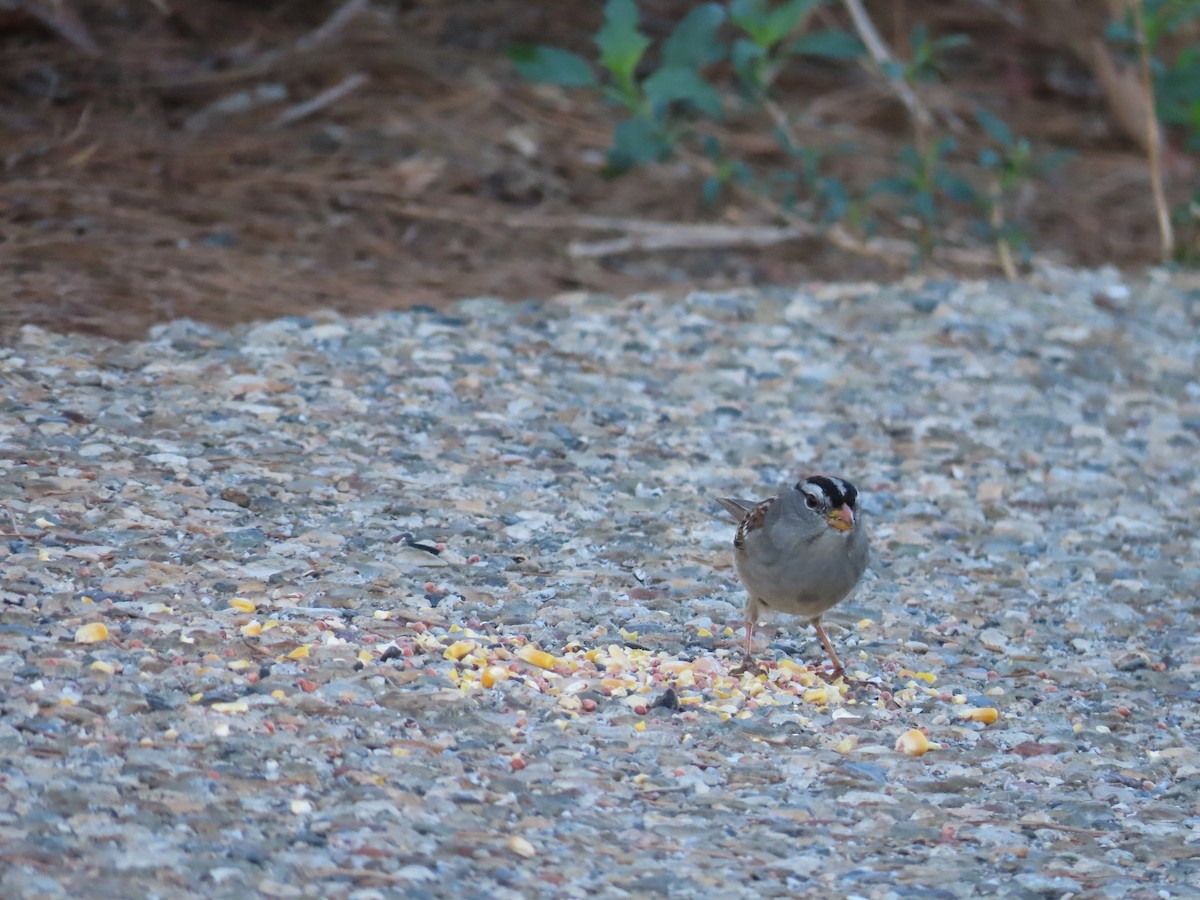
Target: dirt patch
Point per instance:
(135, 192)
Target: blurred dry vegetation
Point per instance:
(233, 160)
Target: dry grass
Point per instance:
(130, 199)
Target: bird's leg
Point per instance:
(748, 663)
(749, 638)
(838, 671)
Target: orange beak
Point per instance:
(842, 518)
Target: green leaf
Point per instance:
(995, 127)
(1056, 159)
(923, 207)
(835, 43)
(899, 186)
(837, 201)
(550, 65)
(944, 145)
(783, 19)
(621, 44)
(1120, 33)
(751, 17)
(694, 41)
(918, 40)
(748, 58)
(637, 141)
(678, 83)
(910, 158)
(950, 42)
(955, 188)
(711, 191)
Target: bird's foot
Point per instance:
(748, 666)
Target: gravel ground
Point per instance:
(431, 604)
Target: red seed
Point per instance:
(305, 685)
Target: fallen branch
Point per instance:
(672, 236)
(658, 235)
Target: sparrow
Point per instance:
(800, 552)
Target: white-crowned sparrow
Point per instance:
(800, 552)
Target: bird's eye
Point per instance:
(810, 501)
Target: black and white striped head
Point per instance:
(834, 498)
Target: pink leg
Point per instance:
(833, 657)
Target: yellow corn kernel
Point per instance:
(459, 649)
(539, 658)
(102, 666)
(234, 706)
(912, 743)
(703, 632)
(640, 726)
(300, 652)
(987, 715)
(846, 745)
(92, 633)
(521, 847)
(239, 665)
(493, 674)
(252, 628)
(241, 604)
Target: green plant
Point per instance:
(665, 89)
(927, 56)
(922, 181)
(1010, 164)
(657, 103)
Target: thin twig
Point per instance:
(883, 58)
(327, 97)
(271, 58)
(996, 218)
(1153, 136)
(316, 37)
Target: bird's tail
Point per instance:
(737, 509)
